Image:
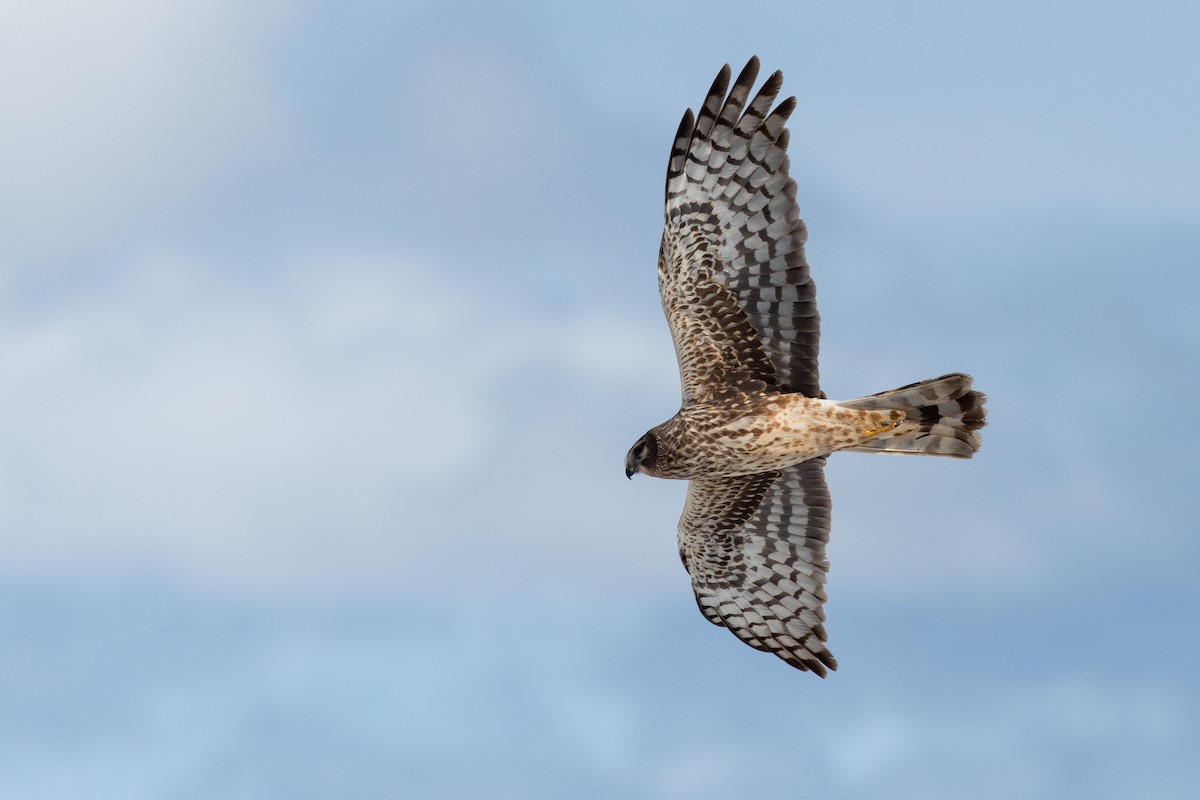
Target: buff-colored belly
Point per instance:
(786, 429)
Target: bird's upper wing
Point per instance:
(755, 548)
(734, 283)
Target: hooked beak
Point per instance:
(629, 472)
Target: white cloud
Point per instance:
(603, 347)
(302, 430)
(108, 103)
(178, 415)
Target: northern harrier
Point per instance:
(754, 427)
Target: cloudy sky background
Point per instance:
(324, 329)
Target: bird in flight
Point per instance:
(754, 428)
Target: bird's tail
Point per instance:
(942, 418)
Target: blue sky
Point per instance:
(324, 329)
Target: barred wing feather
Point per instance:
(734, 283)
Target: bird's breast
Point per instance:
(770, 433)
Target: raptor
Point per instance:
(754, 428)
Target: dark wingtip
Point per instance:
(773, 84)
(685, 124)
(678, 151)
(749, 73)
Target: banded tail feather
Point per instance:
(942, 417)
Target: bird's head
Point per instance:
(642, 456)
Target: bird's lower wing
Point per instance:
(755, 548)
